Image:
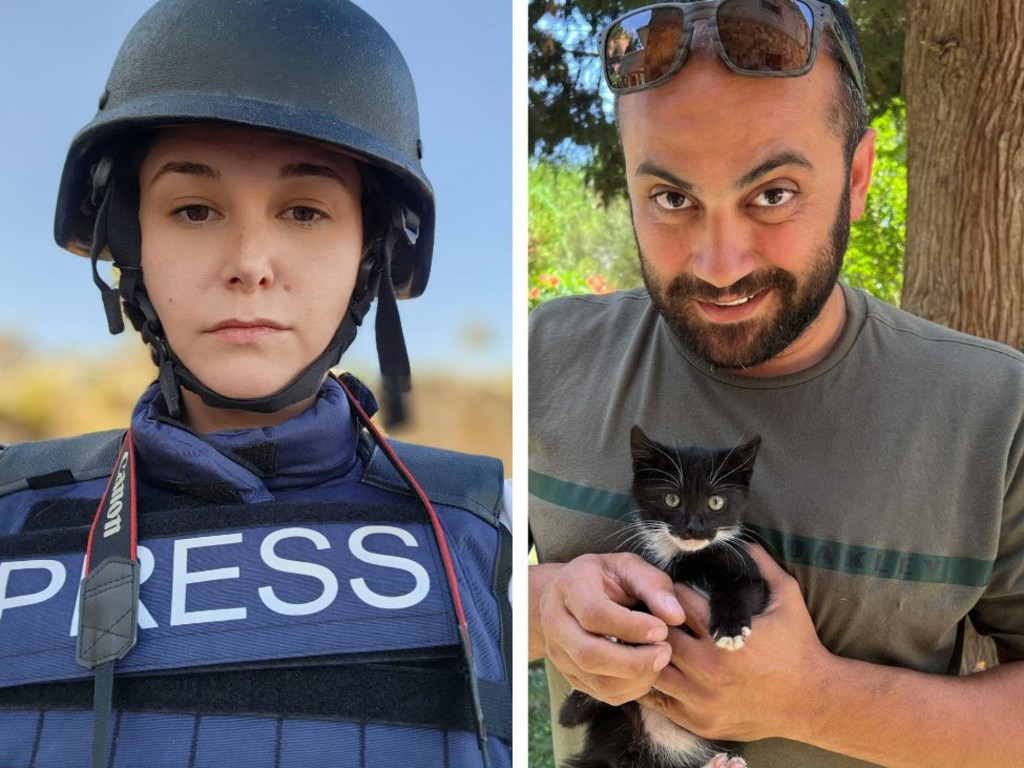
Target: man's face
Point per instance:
(741, 207)
(251, 242)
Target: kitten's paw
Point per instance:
(732, 642)
(723, 760)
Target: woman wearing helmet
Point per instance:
(265, 582)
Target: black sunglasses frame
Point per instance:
(822, 18)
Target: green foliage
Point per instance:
(880, 25)
(569, 119)
(874, 257)
(577, 243)
(541, 752)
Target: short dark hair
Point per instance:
(850, 110)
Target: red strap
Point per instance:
(109, 599)
(114, 531)
(449, 568)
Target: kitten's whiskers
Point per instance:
(640, 534)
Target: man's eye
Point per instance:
(772, 198)
(671, 201)
(195, 214)
(303, 214)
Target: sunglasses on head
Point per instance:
(761, 38)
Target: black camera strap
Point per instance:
(108, 602)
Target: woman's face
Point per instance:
(251, 242)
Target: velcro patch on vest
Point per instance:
(233, 595)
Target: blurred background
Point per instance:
(61, 373)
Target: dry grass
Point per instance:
(472, 415)
(57, 396)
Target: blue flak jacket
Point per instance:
(294, 611)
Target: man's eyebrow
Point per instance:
(787, 157)
(187, 168)
(784, 158)
(649, 168)
(293, 170)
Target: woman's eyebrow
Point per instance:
(293, 170)
(189, 169)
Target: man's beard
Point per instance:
(749, 343)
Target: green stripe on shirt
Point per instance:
(797, 550)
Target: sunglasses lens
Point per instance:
(766, 35)
(640, 47)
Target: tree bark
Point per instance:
(963, 71)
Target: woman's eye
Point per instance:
(195, 214)
(671, 201)
(772, 198)
(303, 214)
(672, 500)
(716, 503)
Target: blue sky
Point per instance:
(56, 56)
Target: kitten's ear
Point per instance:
(741, 459)
(641, 447)
(750, 448)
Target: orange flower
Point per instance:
(549, 280)
(598, 284)
(535, 293)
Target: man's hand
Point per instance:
(577, 606)
(751, 693)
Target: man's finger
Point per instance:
(600, 616)
(765, 562)
(655, 589)
(596, 655)
(696, 607)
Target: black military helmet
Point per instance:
(319, 69)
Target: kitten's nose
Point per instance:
(695, 525)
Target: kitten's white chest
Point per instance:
(676, 744)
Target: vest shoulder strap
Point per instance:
(51, 462)
(462, 480)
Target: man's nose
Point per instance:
(724, 254)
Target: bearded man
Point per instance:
(889, 489)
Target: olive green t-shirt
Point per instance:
(890, 479)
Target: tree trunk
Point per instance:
(963, 70)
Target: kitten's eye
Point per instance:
(672, 500)
(716, 503)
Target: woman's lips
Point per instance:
(246, 331)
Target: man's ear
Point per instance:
(860, 173)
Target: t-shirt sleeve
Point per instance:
(1000, 612)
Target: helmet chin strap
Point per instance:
(117, 226)
(174, 373)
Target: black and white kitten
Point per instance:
(690, 503)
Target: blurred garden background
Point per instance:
(47, 394)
